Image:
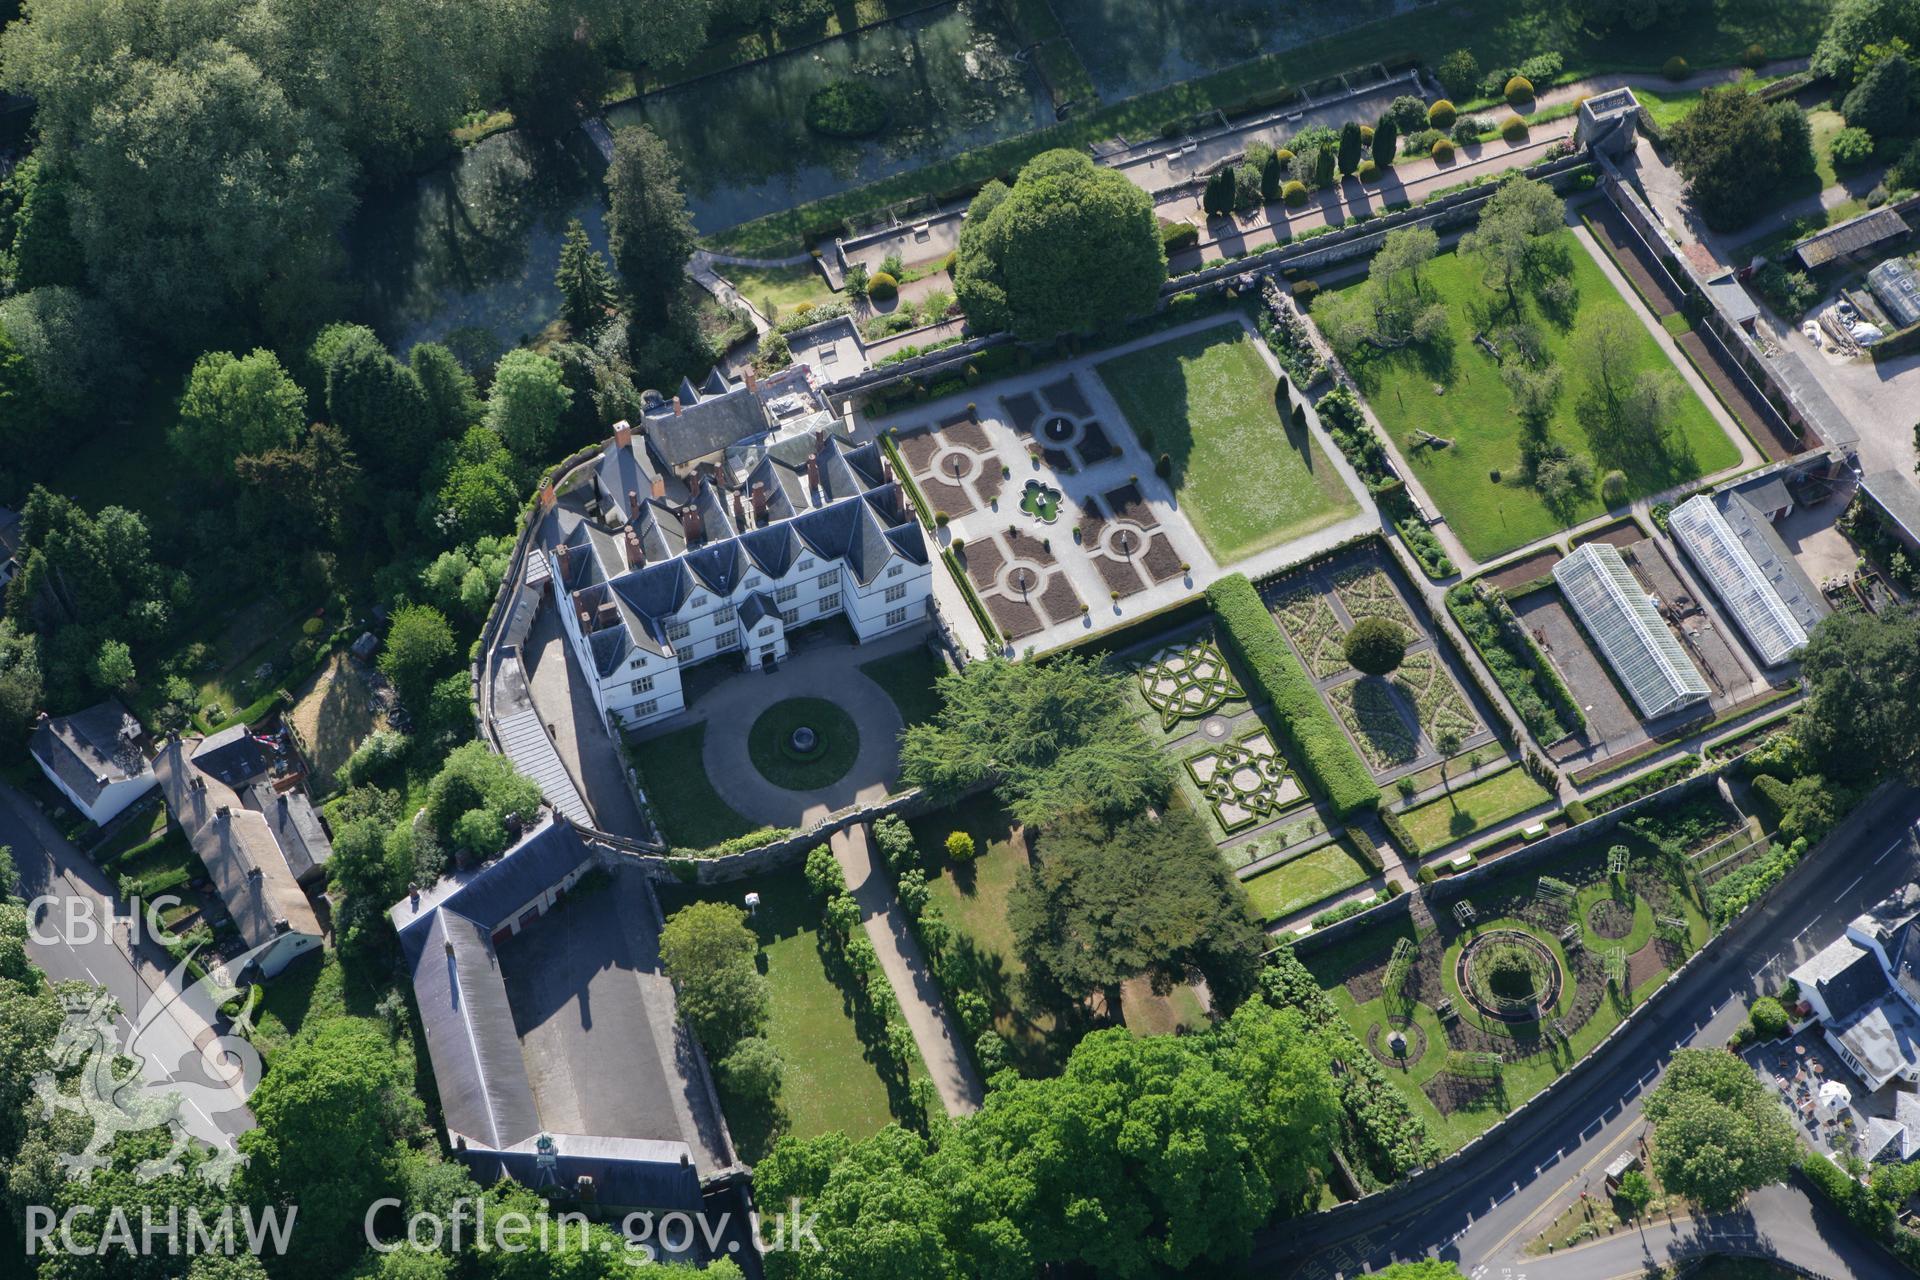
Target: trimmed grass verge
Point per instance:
(770, 744)
(690, 812)
(1471, 808)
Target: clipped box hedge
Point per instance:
(1313, 740)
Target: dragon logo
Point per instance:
(124, 1101)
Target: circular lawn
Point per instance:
(771, 747)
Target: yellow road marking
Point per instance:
(1582, 1172)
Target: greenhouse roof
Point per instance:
(1623, 620)
(1757, 594)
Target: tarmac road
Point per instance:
(98, 952)
(1482, 1210)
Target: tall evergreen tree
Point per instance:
(1350, 148)
(586, 286)
(1386, 136)
(648, 226)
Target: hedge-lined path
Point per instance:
(949, 1064)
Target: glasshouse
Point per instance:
(1626, 625)
(1768, 596)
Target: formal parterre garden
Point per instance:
(1527, 970)
(1244, 478)
(1394, 719)
(1231, 766)
(1451, 390)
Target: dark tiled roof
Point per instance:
(541, 860)
(627, 1173)
(485, 1095)
(773, 549)
(704, 426)
(233, 755)
(1855, 985)
(756, 608)
(91, 750)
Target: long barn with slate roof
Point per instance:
(655, 568)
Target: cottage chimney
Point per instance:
(676, 406)
(561, 551)
(636, 554)
(759, 502)
(223, 813)
(753, 380)
(547, 496)
(886, 470)
(449, 948)
(819, 440)
(813, 473)
(623, 434)
(659, 486)
(699, 525)
(633, 504)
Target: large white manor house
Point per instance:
(729, 517)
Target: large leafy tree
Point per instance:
(313, 488)
(419, 643)
(99, 570)
(235, 405)
(1718, 1132)
(1516, 238)
(1860, 716)
(526, 402)
(379, 402)
(20, 685)
(71, 353)
(330, 1112)
(1733, 149)
(1146, 1156)
(1149, 897)
(1071, 247)
(201, 193)
(1860, 32)
(708, 951)
(1882, 102)
(1394, 308)
(648, 227)
(1055, 737)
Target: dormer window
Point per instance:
(803, 565)
(894, 571)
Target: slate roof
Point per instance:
(862, 518)
(1897, 496)
(239, 849)
(542, 859)
(1850, 236)
(1883, 1036)
(1850, 986)
(626, 1172)
(91, 750)
(296, 827)
(485, 1095)
(757, 607)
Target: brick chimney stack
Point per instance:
(753, 380)
(633, 504)
(636, 554)
(659, 486)
(676, 406)
(561, 551)
(739, 511)
(759, 502)
(547, 496)
(623, 434)
(813, 473)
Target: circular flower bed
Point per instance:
(846, 109)
(1412, 1044)
(772, 745)
(1509, 975)
(1610, 919)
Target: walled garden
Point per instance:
(1527, 970)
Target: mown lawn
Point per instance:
(1243, 476)
(690, 812)
(830, 1081)
(1472, 808)
(787, 288)
(1310, 878)
(972, 897)
(907, 677)
(1475, 412)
